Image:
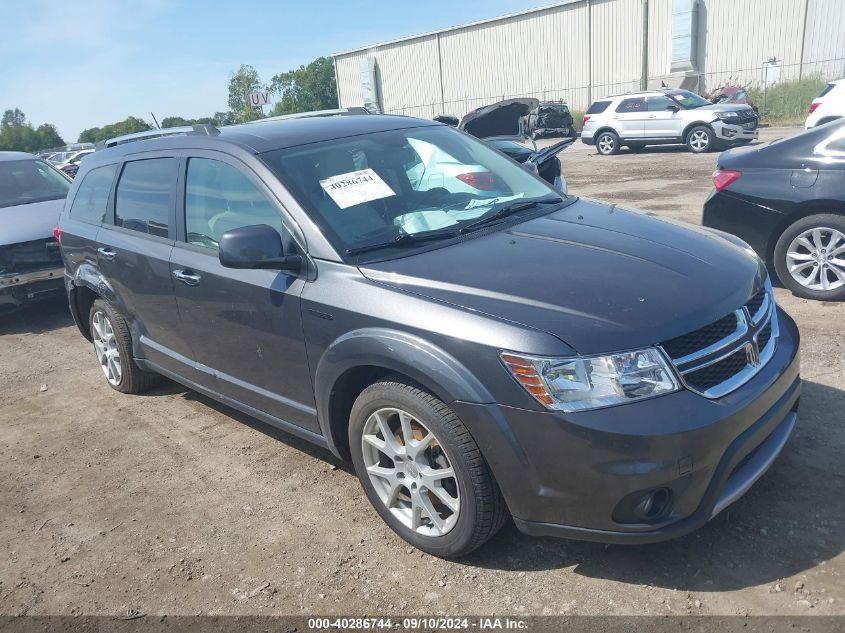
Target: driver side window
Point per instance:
(219, 198)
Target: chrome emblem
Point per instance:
(752, 353)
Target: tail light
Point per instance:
(724, 177)
(813, 106)
(482, 180)
(57, 233)
(586, 118)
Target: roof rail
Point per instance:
(199, 129)
(314, 113)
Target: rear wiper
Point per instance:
(508, 209)
(405, 238)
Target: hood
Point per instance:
(726, 107)
(498, 119)
(27, 222)
(598, 277)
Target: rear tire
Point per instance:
(607, 143)
(399, 469)
(700, 139)
(810, 254)
(113, 346)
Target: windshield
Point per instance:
(386, 187)
(27, 181)
(689, 99)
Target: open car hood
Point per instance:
(498, 119)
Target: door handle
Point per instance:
(186, 277)
(106, 253)
(652, 116)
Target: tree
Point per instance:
(129, 125)
(17, 134)
(310, 87)
(177, 121)
(241, 83)
(48, 136)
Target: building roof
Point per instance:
(456, 28)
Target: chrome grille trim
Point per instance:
(746, 337)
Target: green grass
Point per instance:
(787, 102)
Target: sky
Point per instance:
(86, 63)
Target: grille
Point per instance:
(30, 256)
(713, 360)
(698, 340)
(756, 302)
(708, 377)
(764, 336)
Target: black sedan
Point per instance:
(787, 200)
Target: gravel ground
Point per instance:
(168, 503)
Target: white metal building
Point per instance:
(578, 50)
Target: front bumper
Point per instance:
(731, 133)
(568, 474)
(20, 288)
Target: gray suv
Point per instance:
(666, 117)
(593, 372)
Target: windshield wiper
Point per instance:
(508, 209)
(405, 238)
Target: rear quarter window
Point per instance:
(598, 107)
(145, 195)
(827, 89)
(91, 199)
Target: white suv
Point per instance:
(828, 106)
(665, 117)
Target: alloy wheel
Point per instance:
(105, 344)
(410, 471)
(699, 140)
(816, 259)
(606, 144)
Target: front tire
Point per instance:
(422, 471)
(113, 347)
(810, 257)
(607, 143)
(700, 139)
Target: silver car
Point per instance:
(666, 117)
(32, 194)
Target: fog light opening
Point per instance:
(653, 504)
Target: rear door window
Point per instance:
(91, 199)
(636, 104)
(598, 107)
(145, 195)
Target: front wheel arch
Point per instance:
(358, 358)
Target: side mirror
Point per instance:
(257, 246)
(673, 108)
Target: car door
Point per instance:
(133, 255)
(629, 118)
(662, 120)
(244, 326)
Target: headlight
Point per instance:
(591, 382)
(728, 116)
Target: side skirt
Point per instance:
(278, 423)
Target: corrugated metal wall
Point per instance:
(579, 50)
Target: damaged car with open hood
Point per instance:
(503, 125)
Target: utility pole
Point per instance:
(644, 74)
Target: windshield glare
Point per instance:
(27, 181)
(689, 99)
(379, 187)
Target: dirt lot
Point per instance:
(170, 503)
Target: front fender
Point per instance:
(433, 368)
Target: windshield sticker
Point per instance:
(356, 187)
